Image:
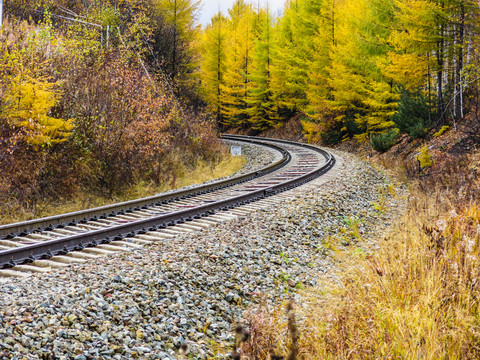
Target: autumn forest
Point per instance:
(367, 69)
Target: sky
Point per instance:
(211, 7)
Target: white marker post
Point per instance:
(236, 150)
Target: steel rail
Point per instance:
(23, 228)
(30, 253)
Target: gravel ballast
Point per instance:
(187, 292)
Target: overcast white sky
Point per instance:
(211, 7)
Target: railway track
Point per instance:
(35, 245)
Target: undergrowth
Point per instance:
(181, 176)
(417, 297)
(77, 116)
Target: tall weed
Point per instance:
(417, 297)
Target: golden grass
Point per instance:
(201, 172)
(417, 297)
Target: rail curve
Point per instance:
(44, 238)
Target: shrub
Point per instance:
(311, 131)
(125, 128)
(413, 116)
(424, 158)
(441, 131)
(381, 142)
(341, 129)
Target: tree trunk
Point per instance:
(440, 101)
(174, 50)
(440, 64)
(219, 75)
(459, 69)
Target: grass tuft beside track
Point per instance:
(417, 297)
(183, 176)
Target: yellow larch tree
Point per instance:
(234, 89)
(213, 67)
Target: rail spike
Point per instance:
(12, 263)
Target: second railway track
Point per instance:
(86, 234)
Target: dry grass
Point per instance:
(184, 176)
(415, 298)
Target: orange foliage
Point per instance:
(126, 127)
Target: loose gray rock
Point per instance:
(192, 289)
